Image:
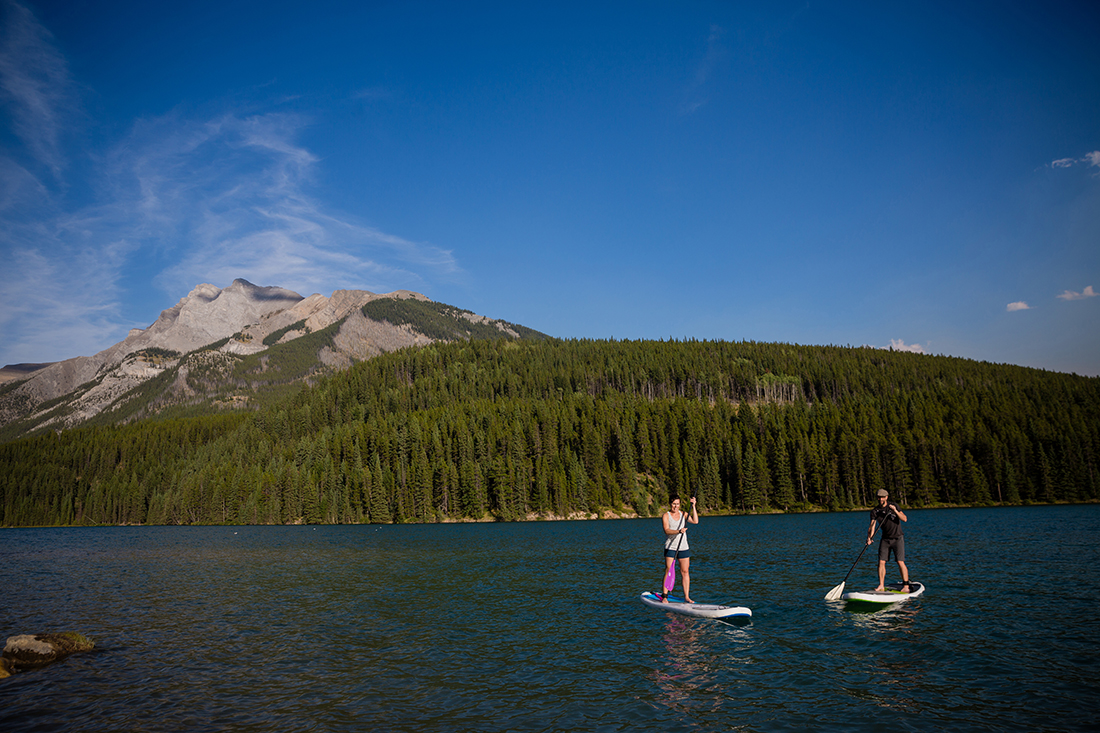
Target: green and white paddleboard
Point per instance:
(892, 594)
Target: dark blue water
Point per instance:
(538, 626)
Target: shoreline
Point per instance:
(606, 514)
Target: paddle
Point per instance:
(835, 593)
(670, 576)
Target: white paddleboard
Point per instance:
(703, 610)
(892, 594)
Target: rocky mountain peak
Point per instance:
(210, 313)
(216, 328)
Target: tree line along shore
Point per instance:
(511, 430)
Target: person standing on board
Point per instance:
(676, 544)
(892, 539)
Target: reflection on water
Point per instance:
(893, 679)
(895, 684)
(894, 617)
(697, 664)
(685, 667)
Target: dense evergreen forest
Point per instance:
(517, 429)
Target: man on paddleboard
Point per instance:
(676, 545)
(891, 518)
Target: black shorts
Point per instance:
(897, 545)
(683, 553)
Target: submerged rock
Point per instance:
(35, 650)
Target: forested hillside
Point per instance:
(513, 429)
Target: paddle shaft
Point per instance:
(865, 546)
(878, 526)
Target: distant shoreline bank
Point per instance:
(607, 514)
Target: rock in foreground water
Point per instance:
(34, 650)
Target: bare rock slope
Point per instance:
(246, 319)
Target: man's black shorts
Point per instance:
(897, 545)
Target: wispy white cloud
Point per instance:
(53, 308)
(35, 87)
(1090, 159)
(231, 197)
(211, 200)
(900, 345)
(192, 198)
(694, 95)
(58, 292)
(1019, 305)
(20, 190)
(1088, 292)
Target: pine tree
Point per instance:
(784, 486)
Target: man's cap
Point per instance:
(883, 492)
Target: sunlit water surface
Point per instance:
(538, 626)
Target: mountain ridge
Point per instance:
(237, 322)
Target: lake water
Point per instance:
(538, 627)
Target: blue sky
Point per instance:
(924, 176)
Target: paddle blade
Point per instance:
(670, 578)
(835, 593)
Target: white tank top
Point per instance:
(672, 540)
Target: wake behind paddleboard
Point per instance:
(702, 610)
(892, 594)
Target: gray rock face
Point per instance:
(206, 315)
(209, 314)
(360, 338)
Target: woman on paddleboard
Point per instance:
(676, 546)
